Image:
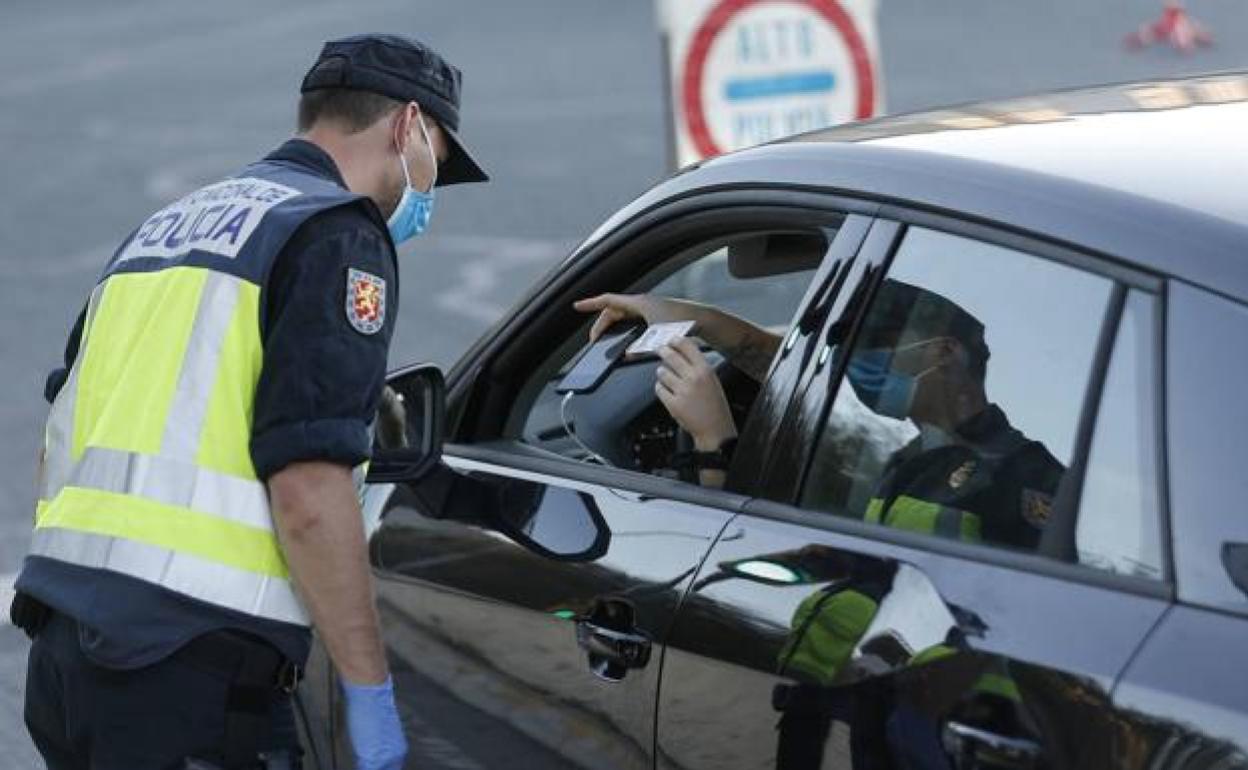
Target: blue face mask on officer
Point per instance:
(881, 388)
(411, 215)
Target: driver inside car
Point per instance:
(968, 474)
(686, 383)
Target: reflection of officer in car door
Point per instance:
(969, 474)
(825, 631)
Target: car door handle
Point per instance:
(612, 653)
(967, 744)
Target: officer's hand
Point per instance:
(373, 723)
(651, 309)
(688, 387)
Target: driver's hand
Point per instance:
(691, 392)
(649, 308)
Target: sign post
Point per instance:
(742, 72)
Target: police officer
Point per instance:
(198, 511)
(969, 474)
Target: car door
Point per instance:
(828, 634)
(1187, 690)
(527, 591)
(550, 646)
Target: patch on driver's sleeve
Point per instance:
(1037, 507)
(366, 301)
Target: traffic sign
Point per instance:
(744, 72)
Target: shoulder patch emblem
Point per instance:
(962, 474)
(366, 301)
(1037, 507)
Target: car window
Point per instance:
(760, 277)
(963, 393)
(1119, 525)
(767, 301)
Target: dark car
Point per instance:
(557, 591)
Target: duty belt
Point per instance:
(247, 662)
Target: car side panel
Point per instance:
(1187, 694)
(494, 625)
(949, 642)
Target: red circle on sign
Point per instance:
(714, 23)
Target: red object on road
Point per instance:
(1174, 27)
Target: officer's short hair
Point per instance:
(353, 109)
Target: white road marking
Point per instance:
(485, 262)
(6, 596)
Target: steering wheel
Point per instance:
(656, 438)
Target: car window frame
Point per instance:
(1158, 393)
(659, 229)
(860, 273)
(763, 443)
(1125, 277)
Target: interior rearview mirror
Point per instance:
(765, 254)
(408, 434)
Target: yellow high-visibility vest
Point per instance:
(917, 515)
(148, 469)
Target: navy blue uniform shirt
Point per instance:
(316, 399)
(995, 472)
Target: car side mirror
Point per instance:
(410, 427)
(1235, 559)
(553, 522)
(557, 523)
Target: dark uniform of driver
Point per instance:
(969, 474)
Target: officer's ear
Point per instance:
(402, 125)
(948, 350)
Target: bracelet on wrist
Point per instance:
(716, 460)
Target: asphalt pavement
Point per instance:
(109, 110)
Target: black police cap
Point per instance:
(900, 307)
(405, 70)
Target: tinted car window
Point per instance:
(1119, 524)
(963, 393)
(1206, 412)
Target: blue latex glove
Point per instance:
(373, 723)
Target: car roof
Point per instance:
(1182, 142)
(1150, 174)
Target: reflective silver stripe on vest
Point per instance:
(188, 575)
(948, 522)
(198, 375)
(175, 483)
(59, 435)
(171, 478)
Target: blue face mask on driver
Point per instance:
(411, 216)
(881, 389)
